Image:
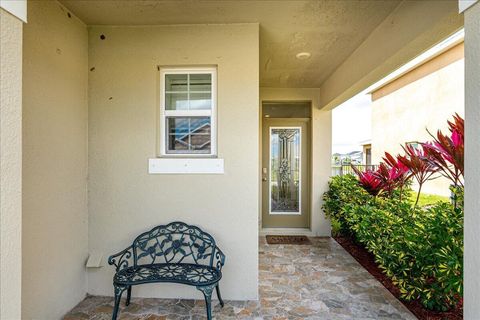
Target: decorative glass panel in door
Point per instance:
(285, 162)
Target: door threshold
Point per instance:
(286, 232)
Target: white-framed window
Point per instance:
(188, 103)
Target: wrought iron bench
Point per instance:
(177, 253)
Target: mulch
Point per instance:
(367, 260)
(288, 240)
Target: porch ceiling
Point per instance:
(329, 30)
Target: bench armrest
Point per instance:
(122, 259)
(219, 258)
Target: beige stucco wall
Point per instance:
(321, 140)
(124, 200)
(405, 114)
(55, 108)
(472, 170)
(10, 165)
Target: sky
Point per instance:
(352, 124)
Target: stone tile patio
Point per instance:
(318, 281)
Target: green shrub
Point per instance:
(342, 190)
(336, 227)
(421, 250)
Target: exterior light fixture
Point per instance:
(303, 55)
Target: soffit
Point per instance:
(329, 30)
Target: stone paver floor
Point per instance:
(318, 281)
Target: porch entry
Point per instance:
(285, 167)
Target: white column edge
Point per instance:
(18, 8)
(465, 4)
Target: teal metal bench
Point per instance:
(177, 253)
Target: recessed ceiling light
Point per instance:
(303, 55)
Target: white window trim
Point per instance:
(186, 113)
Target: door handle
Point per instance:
(264, 174)
(264, 179)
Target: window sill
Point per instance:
(185, 166)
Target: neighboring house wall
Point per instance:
(10, 165)
(321, 141)
(424, 98)
(124, 200)
(367, 154)
(55, 87)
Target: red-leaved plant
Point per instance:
(420, 167)
(388, 177)
(393, 174)
(447, 153)
(369, 181)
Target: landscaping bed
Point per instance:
(415, 249)
(367, 260)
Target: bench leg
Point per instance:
(129, 295)
(217, 288)
(118, 296)
(207, 293)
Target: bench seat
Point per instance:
(185, 273)
(176, 252)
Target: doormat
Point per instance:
(288, 240)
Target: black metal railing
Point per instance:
(343, 169)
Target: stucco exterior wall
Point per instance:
(55, 242)
(124, 200)
(472, 170)
(405, 114)
(10, 165)
(321, 141)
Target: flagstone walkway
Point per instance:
(318, 281)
